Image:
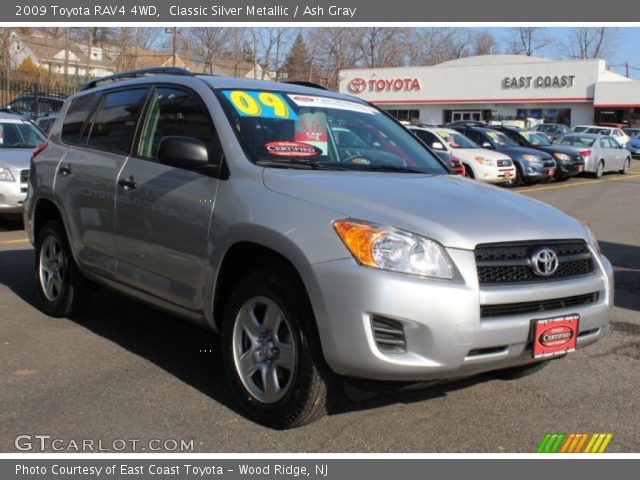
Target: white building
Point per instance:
(498, 87)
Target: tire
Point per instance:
(468, 172)
(61, 288)
(515, 181)
(599, 169)
(626, 167)
(300, 382)
(514, 373)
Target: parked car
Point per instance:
(18, 138)
(44, 123)
(532, 166)
(479, 163)
(553, 130)
(568, 162)
(601, 153)
(620, 137)
(580, 128)
(467, 123)
(35, 106)
(632, 131)
(227, 202)
(633, 145)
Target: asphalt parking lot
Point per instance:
(123, 371)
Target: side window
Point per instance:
(177, 112)
(426, 137)
(604, 143)
(114, 124)
(22, 105)
(76, 118)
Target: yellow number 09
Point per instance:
(279, 107)
(248, 105)
(245, 103)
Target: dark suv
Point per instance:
(569, 162)
(532, 166)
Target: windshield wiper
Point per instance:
(298, 163)
(389, 168)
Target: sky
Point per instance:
(625, 46)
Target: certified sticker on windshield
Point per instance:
(326, 102)
(291, 149)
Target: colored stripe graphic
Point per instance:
(573, 442)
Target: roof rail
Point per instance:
(303, 83)
(145, 72)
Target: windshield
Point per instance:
(576, 140)
(455, 139)
(280, 129)
(19, 134)
(501, 140)
(598, 131)
(633, 133)
(536, 139)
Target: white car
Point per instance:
(580, 128)
(479, 163)
(619, 136)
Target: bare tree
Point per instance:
(209, 43)
(337, 48)
(590, 42)
(383, 46)
(528, 40)
(430, 46)
(484, 43)
(273, 41)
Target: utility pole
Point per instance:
(88, 66)
(137, 47)
(626, 68)
(255, 56)
(66, 56)
(175, 46)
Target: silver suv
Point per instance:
(317, 235)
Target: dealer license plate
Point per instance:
(555, 336)
(552, 172)
(507, 175)
(581, 168)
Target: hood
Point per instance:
(16, 158)
(551, 149)
(517, 152)
(457, 212)
(470, 153)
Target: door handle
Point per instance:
(65, 170)
(129, 184)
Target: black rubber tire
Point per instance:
(311, 390)
(516, 180)
(514, 373)
(625, 167)
(599, 172)
(76, 290)
(468, 172)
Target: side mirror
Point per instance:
(183, 152)
(487, 145)
(437, 146)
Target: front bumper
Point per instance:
(569, 168)
(445, 335)
(12, 196)
(538, 171)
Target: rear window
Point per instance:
(76, 118)
(576, 140)
(114, 124)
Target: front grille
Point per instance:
(504, 163)
(505, 309)
(388, 335)
(502, 263)
(24, 176)
(548, 163)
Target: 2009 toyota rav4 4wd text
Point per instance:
(313, 231)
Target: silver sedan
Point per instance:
(601, 153)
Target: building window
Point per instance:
(549, 115)
(405, 115)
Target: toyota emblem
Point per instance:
(544, 262)
(357, 85)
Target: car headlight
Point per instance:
(591, 239)
(6, 175)
(561, 156)
(531, 158)
(485, 161)
(388, 248)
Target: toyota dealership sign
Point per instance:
(379, 85)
